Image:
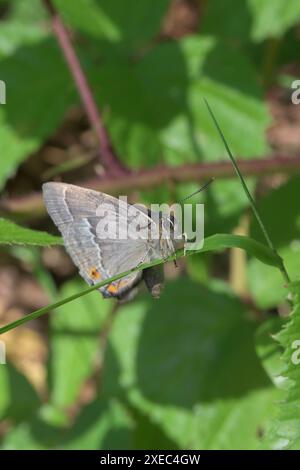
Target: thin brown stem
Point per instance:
(109, 158)
(32, 205)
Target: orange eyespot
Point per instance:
(94, 273)
(112, 289)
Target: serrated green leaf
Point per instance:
(12, 234)
(270, 351)
(189, 363)
(285, 432)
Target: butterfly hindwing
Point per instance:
(74, 211)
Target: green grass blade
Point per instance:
(248, 194)
(10, 233)
(213, 243)
(221, 241)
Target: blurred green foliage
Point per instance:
(194, 369)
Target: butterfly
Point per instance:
(86, 220)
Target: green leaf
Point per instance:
(98, 426)
(101, 425)
(281, 213)
(33, 257)
(18, 399)
(32, 434)
(10, 233)
(75, 343)
(236, 100)
(22, 35)
(25, 121)
(13, 35)
(32, 12)
(240, 177)
(189, 363)
(285, 432)
(269, 351)
(198, 268)
(225, 201)
(219, 21)
(266, 285)
(4, 389)
(272, 19)
(126, 22)
(17, 32)
(253, 20)
(173, 78)
(222, 241)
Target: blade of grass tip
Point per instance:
(221, 242)
(47, 308)
(248, 194)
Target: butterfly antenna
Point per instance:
(199, 190)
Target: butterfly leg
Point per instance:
(143, 259)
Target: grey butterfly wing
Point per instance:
(74, 211)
